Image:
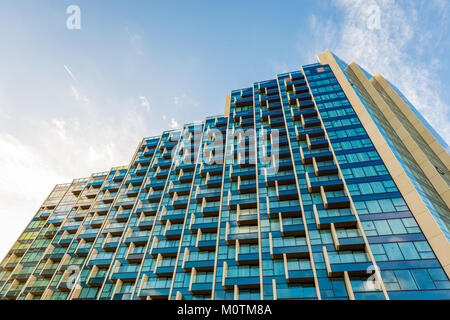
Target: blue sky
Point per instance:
(73, 102)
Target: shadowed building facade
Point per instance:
(323, 183)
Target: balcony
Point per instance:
(340, 217)
(49, 234)
(213, 170)
(122, 215)
(351, 243)
(273, 100)
(172, 234)
(64, 286)
(185, 177)
(102, 259)
(244, 201)
(289, 251)
(111, 244)
(293, 98)
(247, 258)
(154, 197)
(144, 161)
(200, 288)
(154, 293)
(180, 202)
(12, 294)
(210, 209)
(312, 132)
(246, 219)
(213, 181)
(48, 272)
(353, 269)
(155, 184)
(135, 257)
(80, 214)
(199, 265)
(146, 222)
(291, 83)
(285, 210)
(135, 181)
(125, 273)
(323, 154)
(247, 237)
(208, 194)
(334, 199)
(282, 177)
(276, 122)
(141, 171)
(115, 229)
(243, 114)
(176, 216)
(132, 191)
(297, 229)
(119, 177)
(65, 241)
(71, 227)
(199, 224)
(286, 192)
(96, 222)
(162, 174)
(205, 245)
(137, 237)
(164, 251)
(246, 186)
(95, 281)
(300, 276)
(328, 182)
(181, 189)
(161, 271)
(244, 282)
(146, 209)
(324, 168)
(241, 102)
(83, 250)
(56, 254)
(101, 209)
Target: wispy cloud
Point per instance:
(145, 103)
(174, 124)
(179, 99)
(78, 96)
(390, 48)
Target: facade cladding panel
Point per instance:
(307, 188)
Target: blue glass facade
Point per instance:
(284, 197)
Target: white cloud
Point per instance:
(45, 152)
(145, 103)
(27, 178)
(390, 50)
(174, 124)
(60, 126)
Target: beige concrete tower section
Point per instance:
(227, 105)
(422, 158)
(430, 228)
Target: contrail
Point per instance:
(70, 73)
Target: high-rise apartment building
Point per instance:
(323, 183)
